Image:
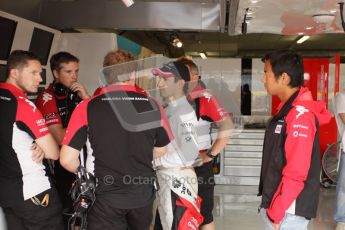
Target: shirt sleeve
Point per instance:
(31, 117)
(46, 103)
(300, 130)
(211, 107)
(76, 132)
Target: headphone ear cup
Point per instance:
(60, 90)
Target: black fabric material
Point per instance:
(103, 216)
(273, 162)
(28, 216)
(12, 190)
(122, 155)
(206, 185)
(66, 101)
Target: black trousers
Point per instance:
(29, 216)
(103, 216)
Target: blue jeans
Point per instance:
(289, 222)
(339, 214)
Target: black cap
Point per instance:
(172, 69)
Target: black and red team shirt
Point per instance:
(120, 127)
(55, 108)
(21, 123)
(208, 110)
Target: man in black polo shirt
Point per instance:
(27, 197)
(124, 129)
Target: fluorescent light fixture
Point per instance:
(128, 3)
(303, 39)
(203, 55)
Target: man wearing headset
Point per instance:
(56, 104)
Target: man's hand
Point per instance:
(275, 226)
(37, 153)
(80, 89)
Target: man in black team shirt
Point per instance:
(27, 197)
(124, 129)
(56, 104)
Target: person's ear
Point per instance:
(181, 83)
(55, 74)
(14, 73)
(286, 79)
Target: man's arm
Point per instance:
(58, 132)
(159, 151)
(49, 147)
(225, 127)
(69, 158)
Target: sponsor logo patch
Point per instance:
(40, 122)
(278, 129)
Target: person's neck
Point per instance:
(14, 83)
(175, 97)
(286, 94)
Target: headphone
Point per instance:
(60, 90)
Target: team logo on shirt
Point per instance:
(29, 102)
(46, 97)
(208, 96)
(40, 122)
(278, 129)
(301, 110)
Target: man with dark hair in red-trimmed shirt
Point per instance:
(290, 169)
(29, 200)
(209, 111)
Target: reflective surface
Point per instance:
(239, 211)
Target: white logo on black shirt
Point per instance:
(278, 129)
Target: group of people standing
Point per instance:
(149, 160)
(122, 132)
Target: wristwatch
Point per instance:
(210, 155)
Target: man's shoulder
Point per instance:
(300, 113)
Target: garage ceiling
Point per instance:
(214, 27)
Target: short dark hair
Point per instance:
(287, 61)
(188, 62)
(18, 59)
(62, 57)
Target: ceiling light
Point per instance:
(323, 18)
(300, 33)
(177, 43)
(128, 3)
(308, 27)
(203, 55)
(303, 39)
(254, 1)
(332, 11)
